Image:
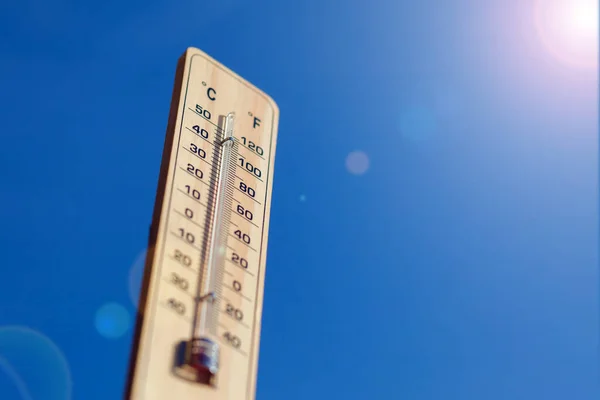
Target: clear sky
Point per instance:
(434, 221)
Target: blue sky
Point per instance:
(461, 265)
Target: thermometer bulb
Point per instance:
(203, 358)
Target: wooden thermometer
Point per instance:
(198, 329)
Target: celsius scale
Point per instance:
(198, 329)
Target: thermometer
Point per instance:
(198, 329)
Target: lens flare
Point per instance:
(112, 320)
(569, 30)
(357, 162)
(136, 274)
(32, 366)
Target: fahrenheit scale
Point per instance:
(197, 334)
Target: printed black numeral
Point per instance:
(195, 171)
(188, 236)
(239, 260)
(252, 146)
(247, 189)
(179, 281)
(232, 339)
(197, 150)
(203, 111)
(249, 167)
(176, 306)
(245, 213)
(182, 258)
(192, 192)
(234, 312)
(242, 236)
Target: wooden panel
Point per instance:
(205, 91)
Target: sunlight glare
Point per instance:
(569, 30)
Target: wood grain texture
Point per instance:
(174, 263)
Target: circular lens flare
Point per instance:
(569, 30)
(136, 274)
(35, 367)
(112, 320)
(357, 162)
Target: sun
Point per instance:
(569, 30)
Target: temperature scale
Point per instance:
(198, 329)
